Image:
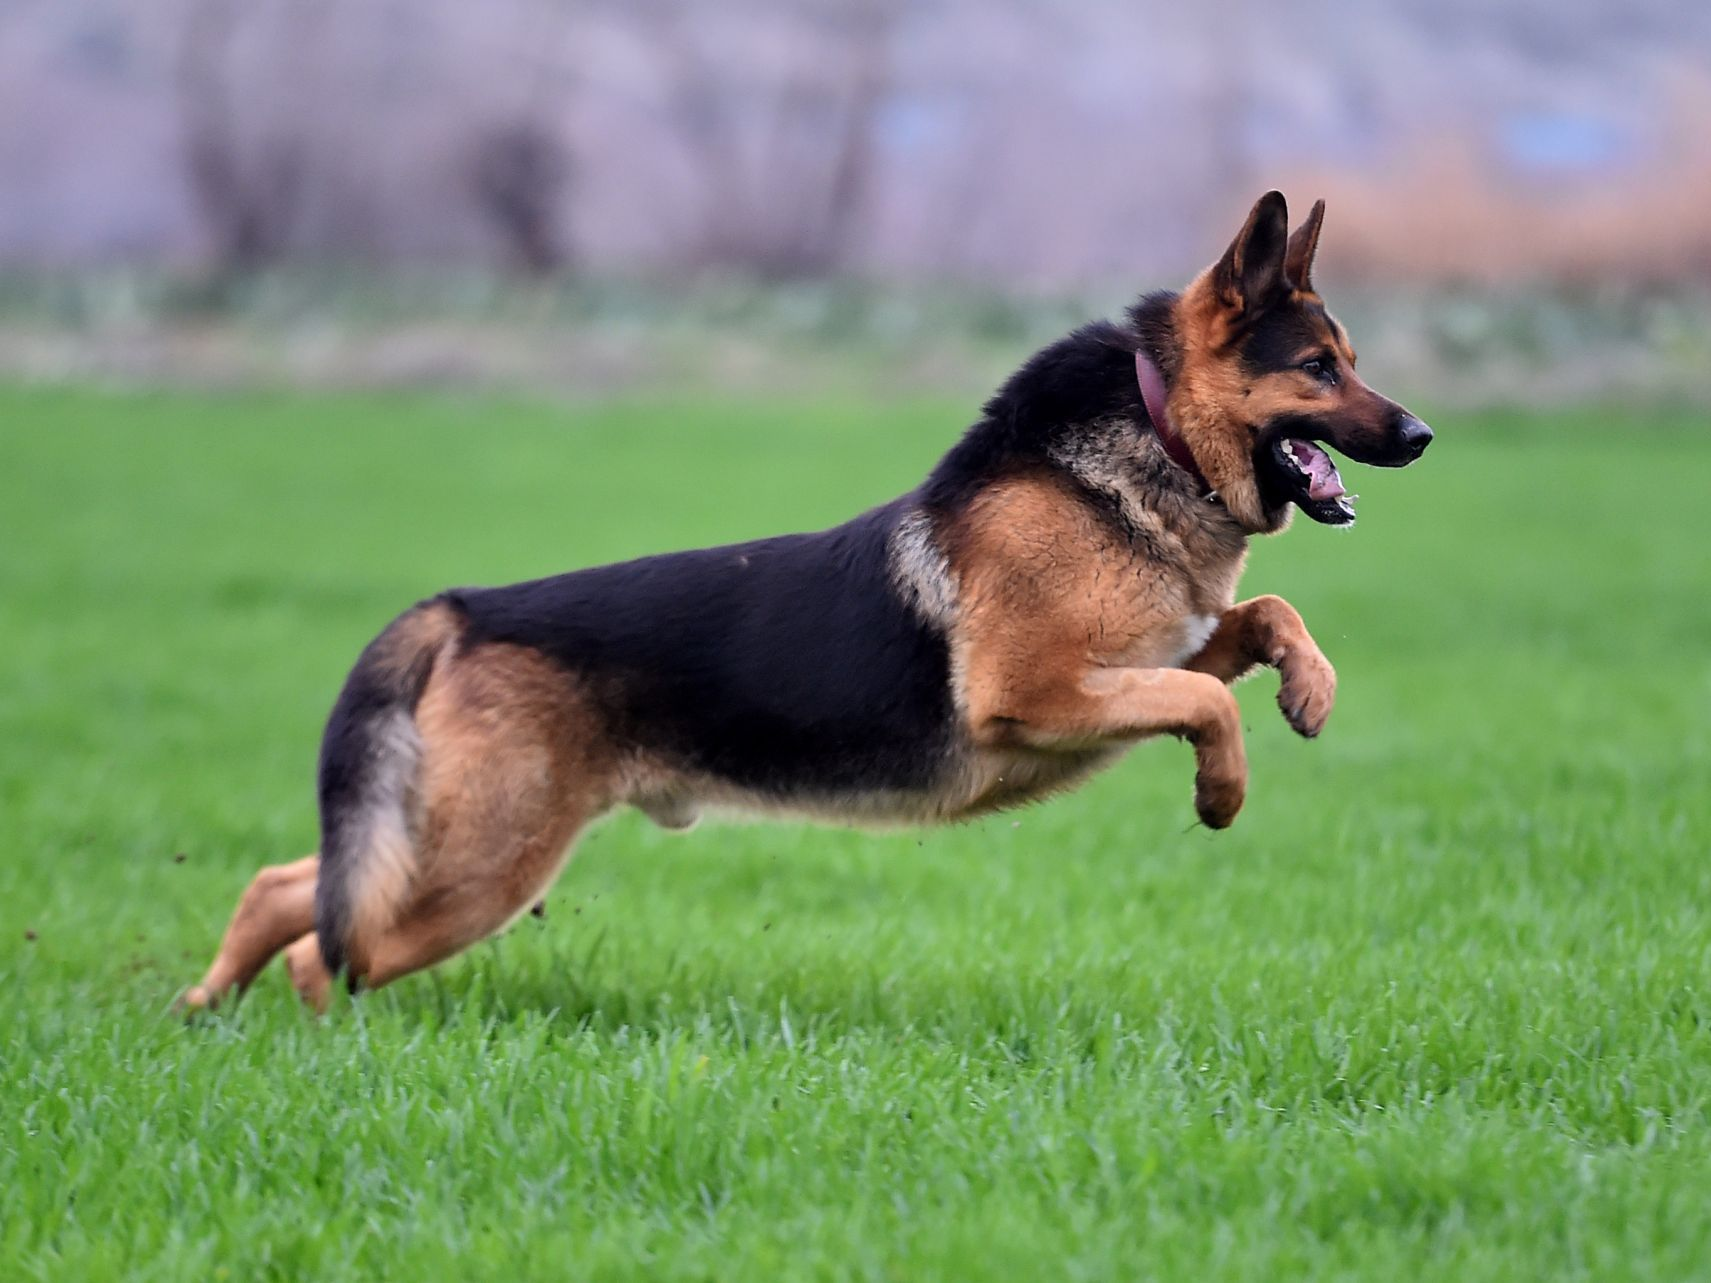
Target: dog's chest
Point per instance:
(1196, 631)
(1167, 616)
(1164, 638)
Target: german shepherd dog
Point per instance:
(1060, 587)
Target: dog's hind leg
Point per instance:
(490, 864)
(513, 764)
(492, 867)
(276, 908)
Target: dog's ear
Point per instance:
(1303, 244)
(1251, 274)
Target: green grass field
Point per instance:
(1437, 1007)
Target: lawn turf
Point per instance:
(1435, 1008)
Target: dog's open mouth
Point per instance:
(1301, 472)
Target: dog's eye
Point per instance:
(1324, 371)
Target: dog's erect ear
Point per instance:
(1303, 243)
(1250, 274)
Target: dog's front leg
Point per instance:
(1117, 704)
(1268, 630)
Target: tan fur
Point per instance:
(277, 907)
(1206, 405)
(1066, 630)
(307, 972)
(418, 635)
(1219, 408)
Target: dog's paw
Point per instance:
(1218, 795)
(1308, 692)
(199, 1001)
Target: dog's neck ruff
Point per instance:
(1154, 397)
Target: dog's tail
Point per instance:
(371, 757)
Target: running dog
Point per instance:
(1060, 587)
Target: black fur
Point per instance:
(1282, 337)
(790, 666)
(1261, 247)
(1155, 331)
(1087, 376)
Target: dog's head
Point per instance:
(1265, 376)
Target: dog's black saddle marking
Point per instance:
(782, 665)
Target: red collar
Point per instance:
(1153, 396)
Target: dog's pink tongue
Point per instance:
(1322, 479)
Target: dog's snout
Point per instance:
(1414, 436)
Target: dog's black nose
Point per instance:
(1414, 435)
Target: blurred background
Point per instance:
(586, 196)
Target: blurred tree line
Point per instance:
(1018, 141)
